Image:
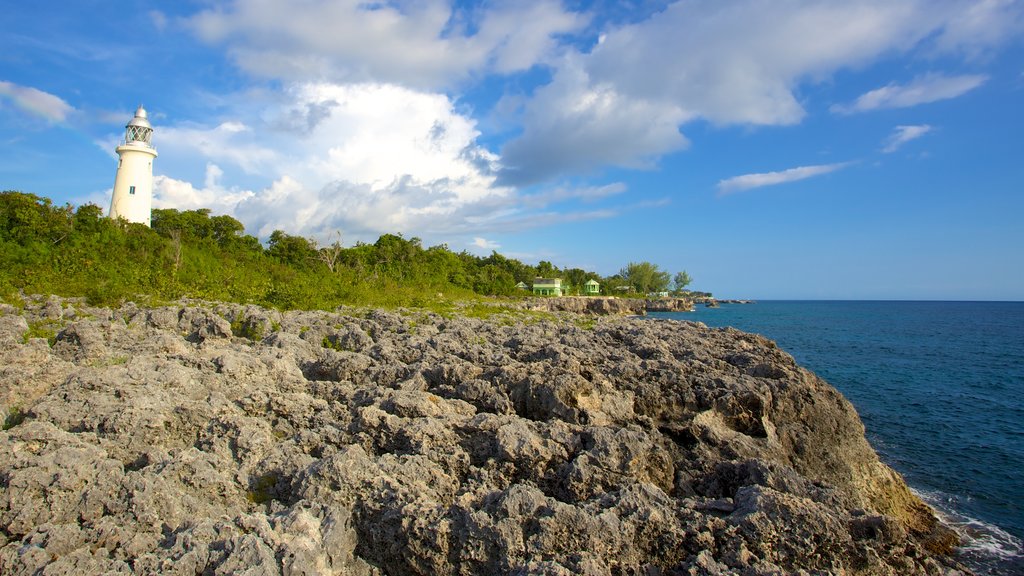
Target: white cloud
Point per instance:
(485, 244)
(42, 104)
(574, 125)
(903, 134)
(171, 193)
(428, 44)
(980, 24)
(319, 133)
(364, 159)
(370, 158)
(751, 181)
(921, 90)
(729, 62)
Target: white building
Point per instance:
(133, 185)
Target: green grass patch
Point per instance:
(333, 343)
(244, 329)
(43, 329)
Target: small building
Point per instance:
(591, 288)
(522, 286)
(547, 286)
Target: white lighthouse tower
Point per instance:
(133, 185)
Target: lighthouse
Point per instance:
(133, 185)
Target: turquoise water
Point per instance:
(940, 388)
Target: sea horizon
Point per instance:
(755, 300)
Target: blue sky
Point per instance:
(790, 149)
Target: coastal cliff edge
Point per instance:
(222, 438)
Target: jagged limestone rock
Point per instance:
(216, 439)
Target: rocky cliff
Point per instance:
(608, 305)
(224, 439)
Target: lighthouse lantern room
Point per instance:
(133, 185)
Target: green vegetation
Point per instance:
(43, 329)
(244, 329)
(332, 343)
(681, 281)
(77, 252)
(645, 277)
(14, 417)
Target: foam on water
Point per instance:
(986, 548)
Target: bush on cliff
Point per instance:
(71, 251)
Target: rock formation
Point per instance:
(608, 305)
(223, 439)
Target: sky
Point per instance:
(795, 149)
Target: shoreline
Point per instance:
(879, 374)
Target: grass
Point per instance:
(43, 329)
(332, 343)
(250, 330)
(587, 323)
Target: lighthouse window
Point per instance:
(131, 189)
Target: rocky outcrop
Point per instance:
(591, 305)
(608, 305)
(669, 305)
(225, 439)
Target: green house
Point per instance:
(522, 286)
(591, 288)
(547, 286)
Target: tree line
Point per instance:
(45, 248)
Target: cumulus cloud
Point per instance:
(363, 133)
(51, 108)
(574, 125)
(426, 45)
(903, 134)
(372, 157)
(751, 181)
(728, 62)
(921, 90)
(171, 193)
(364, 159)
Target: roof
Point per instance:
(547, 281)
(140, 118)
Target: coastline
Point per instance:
(402, 441)
(919, 372)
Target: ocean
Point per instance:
(940, 389)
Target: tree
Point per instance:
(293, 250)
(546, 269)
(645, 277)
(329, 254)
(681, 281)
